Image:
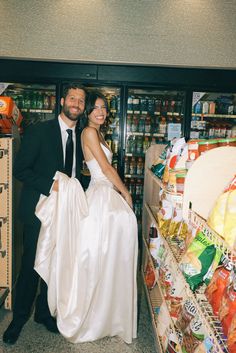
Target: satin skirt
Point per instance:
(87, 254)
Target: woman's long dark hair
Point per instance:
(91, 98)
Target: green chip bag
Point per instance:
(200, 261)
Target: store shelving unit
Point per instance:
(152, 186)
(10, 231)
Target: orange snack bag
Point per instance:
(232, 336)
(227, 307)
(216, 287)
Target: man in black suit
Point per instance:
(42, 153)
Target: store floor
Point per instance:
(35, 338)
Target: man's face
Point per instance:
(74, 104)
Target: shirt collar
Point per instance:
(63, 125)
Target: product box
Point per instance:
(9, 115)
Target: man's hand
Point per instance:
(55, 186)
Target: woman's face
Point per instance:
(98, 116)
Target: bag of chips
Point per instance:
(200, 261)
(223, 215)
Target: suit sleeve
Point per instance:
(25, 165)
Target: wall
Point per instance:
(187, 33)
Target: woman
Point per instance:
(99, 277)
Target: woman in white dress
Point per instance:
(94, 292)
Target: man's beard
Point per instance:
(69, 115)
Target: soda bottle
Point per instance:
(143, 104)
(146, 144)
(113, 104)
(136, 104)
(139, 188)
(139, 145)
(148, 124)
(133, 145)
(130, 104)
(162, 126)
(151, 105)
(115, 144)
(140, 166)
(134, 126)
(46, 102)
(153, 141)
(126, 166)
(52, 102)
(141, 126)
(132, 186)
(129, 123)
(132, 166)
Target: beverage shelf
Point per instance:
(44, 111)
(210, 321)
(225, 116)
(137, 133)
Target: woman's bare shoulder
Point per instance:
(90, 133)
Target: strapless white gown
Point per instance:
(88, 257)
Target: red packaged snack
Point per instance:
(227, 307)
(150, 278)
(232, 336)
(216, 287)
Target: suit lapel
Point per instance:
(57, 142)
(79, 153)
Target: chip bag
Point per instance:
(200, 261)
(223, 215)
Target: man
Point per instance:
(43, 151)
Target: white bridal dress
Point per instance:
(87, 254)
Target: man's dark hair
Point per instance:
(69, 86)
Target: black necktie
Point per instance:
(69, 153)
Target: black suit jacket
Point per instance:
(39, 157)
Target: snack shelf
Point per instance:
(177, 196)
(153, 299)
(218, 241)
(156, 294)
(210, 322)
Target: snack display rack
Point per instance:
(152, 186)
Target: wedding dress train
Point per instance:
(87, 254)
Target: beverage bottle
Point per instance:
(145, 144)
(148, 124)
(126, 166)
(128, 144)
(40, 101)
(34, 98)
(115, 144)
(153, 141)
(141, 126)
(46, 102)
(162, 126)
(129, 123)
(132, 186)
(113, 103)
(132, 166)
(136, 104)
(130, 103)
(143, 104)
(133, 145)
(27, 103)
(139, 145)
(134, 126)
(115, 162)
(52, 102)
(157, 105)
(139, 188)
(140, 166)
(151, 105)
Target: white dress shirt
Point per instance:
(64, 136)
